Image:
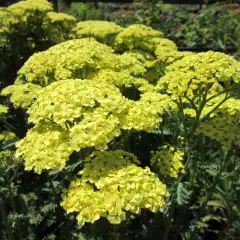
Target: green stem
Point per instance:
(14, 206)
(216, 107)
(210, 192)
(6, 222)
(168, 222)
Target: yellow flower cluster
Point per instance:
(46, 146)
(112, 185)
(154, 45)
(210, 64)
(224, 123)
(22, 95)
(146, 58)
(57, 26)
(146, 114)
(86, 113)
(167, 57)
(75, 59)
(168, 161)
(67, 102)
(59, 17)
(70, 115)
(222, 130)
(102, 31)
(3, 109)
(7, 136)
(34, 25)
(123, 79)
(21, 13)
(128, 63)
(134, 36)
(6, 158)
(183, 84)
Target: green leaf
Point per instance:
(183, 194)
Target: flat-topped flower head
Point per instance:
(168, 161)
(154, 45)
(23, 12)
(123, 80)
(183, 84)
(75, 59)
(46, 146)
(70, 59)
(66, 102)
(3, 109)
(57, 26)
(167, 56)
(134, 36)
(22, 95)
(210, 64)
(147, 113)
(102, 31)
(71, 115)
(110, 186)
(223, 123)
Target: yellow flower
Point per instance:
(22, 95)
(112, 185)
(168, 161)
(102, 31)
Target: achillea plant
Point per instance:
(133, 116)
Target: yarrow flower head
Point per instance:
(70, 115)
(168, 161)
(110, 186)
(22, 12)
(210, 64)
(75, 59)
(156, 44)
(22, 95)
(57, 26)
(223, 123)
(146, 114)
(134, 36)
(102, 31)
(184, 84)
(167, 56)
(3, 109)
(7, 136)
(124, 79)
(46, 146)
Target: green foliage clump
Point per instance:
(215, 26)
(84, 12)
